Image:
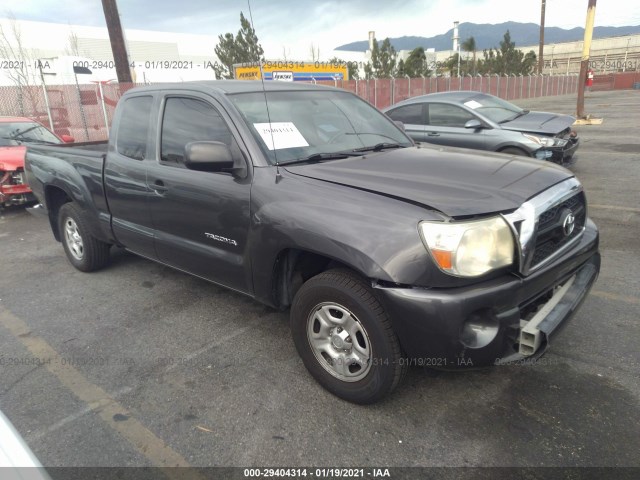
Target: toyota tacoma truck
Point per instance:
(307, 198)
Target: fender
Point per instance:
(81, 181)
(382, 247)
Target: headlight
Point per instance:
(469, 249)
(546, 141)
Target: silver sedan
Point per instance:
(484, 122)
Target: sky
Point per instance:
(290, 27)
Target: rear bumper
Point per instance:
(481, 324)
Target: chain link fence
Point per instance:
(85, 111)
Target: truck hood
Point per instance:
(12, 158)
(451, 180)
(540, 122)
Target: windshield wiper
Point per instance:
(19, 133)
(517, 115)
(378, 147)
(317, 157)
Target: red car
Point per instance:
(15, 134)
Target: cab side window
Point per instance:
(408, 114)
(445, 115)
(133, 128)
(188, 120)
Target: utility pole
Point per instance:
(586, 49)
(541, 47)
(118, 46)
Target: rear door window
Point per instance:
(133, 128)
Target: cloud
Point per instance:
(295, 24)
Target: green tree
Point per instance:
(416, 64)
(507, 59)
(243, 48)
(387, 60)
(469, 45)
(372, 67)
(383, 62)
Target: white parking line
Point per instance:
(30, 437)
(216, 343)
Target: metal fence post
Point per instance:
(46, 104)
(521, 84)
(375, 92)
(546, 94)
(423, 84)
(392, 94)
(498, 87)
(506, 90)
(104, 108)
(356, 86)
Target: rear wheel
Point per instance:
(84, 251)
(345, 337)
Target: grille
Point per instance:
(550, 234)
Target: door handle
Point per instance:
(159, 186)
(433, 134)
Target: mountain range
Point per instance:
(488, 36)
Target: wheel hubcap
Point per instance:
(339, 342)
(74, 240)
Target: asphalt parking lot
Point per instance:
(141, 365)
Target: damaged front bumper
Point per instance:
(560, 154)
(14, 190)
(502, 320)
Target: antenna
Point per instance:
(264, 91)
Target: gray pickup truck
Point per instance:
(388, 254)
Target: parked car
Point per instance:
(484, 122)
(15, 133)
(386, 253)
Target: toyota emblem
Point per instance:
(568, 224)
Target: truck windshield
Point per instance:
(16, 133)
(305, 123)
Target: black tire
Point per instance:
(514, 151)
(90, 254)
(349, 291)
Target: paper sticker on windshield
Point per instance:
(473, 104)
(280, 135)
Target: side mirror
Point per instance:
(67, 138)
(474, 123)
(208, 157)
(400, 125)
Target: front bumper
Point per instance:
(14, 193)
(561, 155)
(482, 324)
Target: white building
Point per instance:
(155, 56)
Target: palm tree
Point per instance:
(469, 45)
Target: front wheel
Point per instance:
(514, 151)
(345, 337)
(84, 251)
